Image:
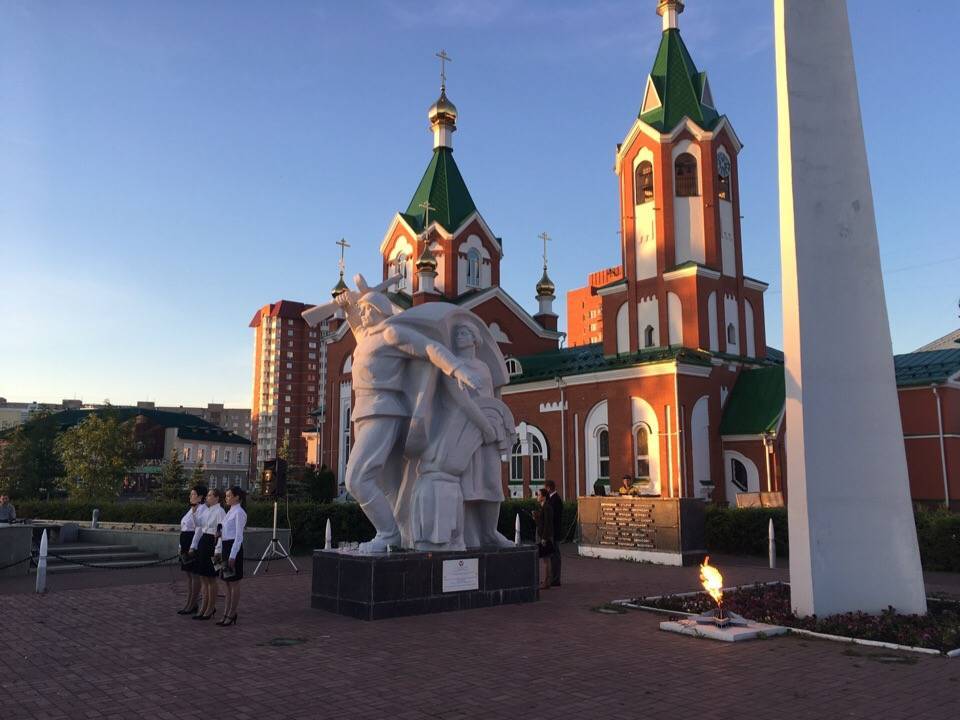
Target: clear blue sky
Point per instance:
(166, 168)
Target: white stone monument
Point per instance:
(853, 543)
(430, 428)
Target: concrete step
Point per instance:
(73, 548)
(130, 554)
(64, 567)
(104, 556)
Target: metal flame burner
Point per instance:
(720, 618)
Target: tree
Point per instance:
(196, 477)
(172, 477)
(29, 463)
(97, 454)
(321, 485)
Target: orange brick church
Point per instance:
(668, 384)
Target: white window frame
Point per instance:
(473, 268)
(400, 268)
(601, 458)
(637, 457)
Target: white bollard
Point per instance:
(328, 537)
(42, 565)
(516, 530)
(772, 545)
(95, 519)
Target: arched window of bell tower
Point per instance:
(685, 169)
(731, 334)
(643, 183)
(648, 341)
(401, 270)
(473, 268)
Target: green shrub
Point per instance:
(938, 533)
(743, 531)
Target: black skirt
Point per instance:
(186, 563)
(237, 565)
(204, 557)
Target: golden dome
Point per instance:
(546, 286)
(426, 261)
(443, 110)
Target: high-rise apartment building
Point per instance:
(286, 381)
(585, 308)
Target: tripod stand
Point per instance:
(275, 550)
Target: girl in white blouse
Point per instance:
(188, 526)
(202, 548)
(231, 549)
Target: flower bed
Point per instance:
(938, 630)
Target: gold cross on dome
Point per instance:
(426, 207)
(546, 238)
(444, 59)
(343, 246)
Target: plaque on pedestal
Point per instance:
(385, 585)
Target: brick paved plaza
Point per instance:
(109, 645)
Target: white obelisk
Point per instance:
(853, 544)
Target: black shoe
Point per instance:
(205, 617)
(191, 611)
(228, 621)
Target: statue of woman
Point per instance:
(481, 480)
(456, 500)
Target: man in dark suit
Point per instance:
(554, 505)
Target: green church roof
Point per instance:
(756, 403)
(443, 187)
(590, 358)
(926, 367)
(757, 399)
(680, 87)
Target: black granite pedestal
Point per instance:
(387, 585)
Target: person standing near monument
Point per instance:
(545, 544)
(188, 526)
(7, 512)
(554, 505)
(382, 408)
(231, 548)
(203, 547)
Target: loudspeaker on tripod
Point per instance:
(273, 479)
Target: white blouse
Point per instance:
(233, 526)
(192, 518)
(208, 524)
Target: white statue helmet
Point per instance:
(379, 301)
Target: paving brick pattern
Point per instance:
(122, 652)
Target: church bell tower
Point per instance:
(680, 218)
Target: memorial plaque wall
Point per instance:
(667, 530)
(626, 524)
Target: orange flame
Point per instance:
(712, 580)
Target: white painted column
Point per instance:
(41, 584)
(853, 544)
